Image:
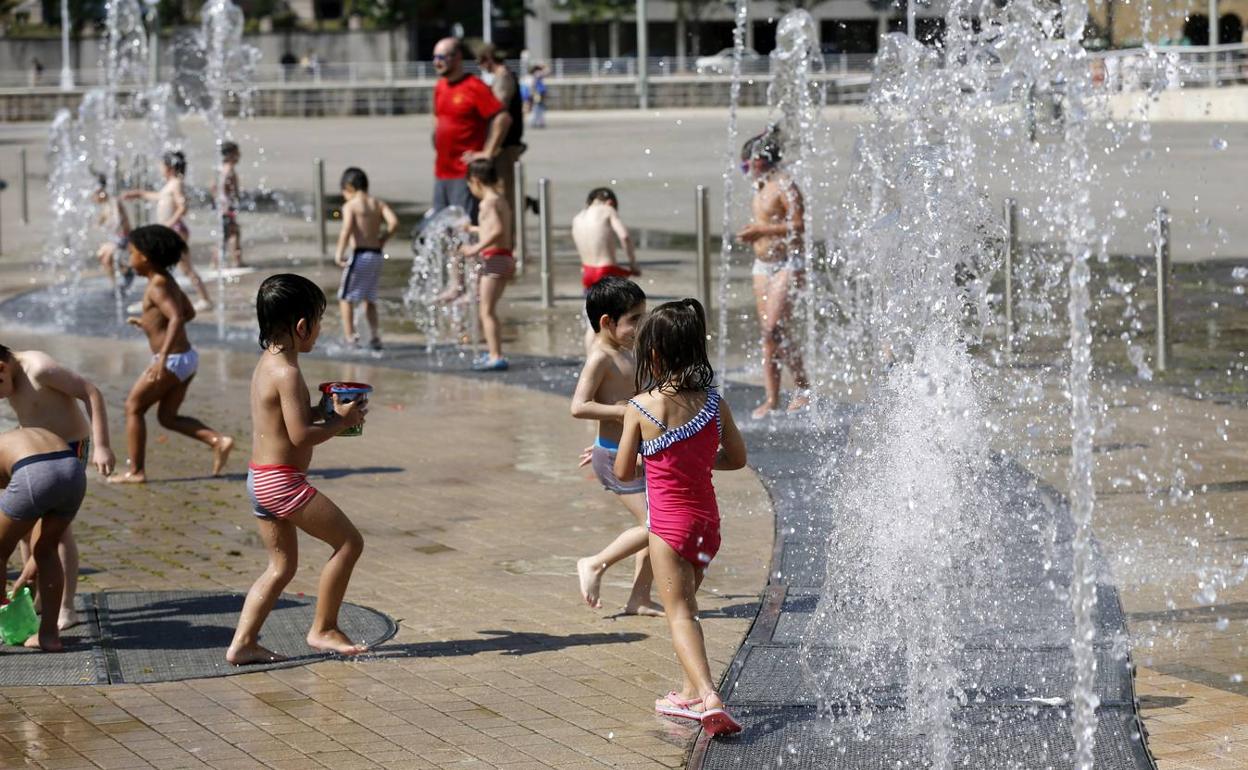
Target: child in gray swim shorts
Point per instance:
(44, 484)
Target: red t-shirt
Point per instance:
(463, 111)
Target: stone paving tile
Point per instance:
(496, 662)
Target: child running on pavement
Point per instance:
(615, 307)
(285, 429)
(225, 195)
(44, 484)
(165, 312)
(362, 217)
(595, 229)
(684, 430)
(43, 395)
(171, 211)
(493, 248)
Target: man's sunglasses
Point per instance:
(443, 56)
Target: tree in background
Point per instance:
(595, 12)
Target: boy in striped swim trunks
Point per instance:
(285, 430)
(362, 217)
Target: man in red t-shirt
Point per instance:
(469, 124)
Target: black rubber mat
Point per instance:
(774, 675)
(161, 636)
(1007, 739)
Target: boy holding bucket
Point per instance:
(285, 430)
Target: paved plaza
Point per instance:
(471, 542)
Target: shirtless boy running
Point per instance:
(776, 237)
(285, 429)
(615, 307)
(595, 230)
(165, 312)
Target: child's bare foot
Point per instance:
(47, 643)
(762, 410)
(252, 653)
(590, 575)
(450, 294)
(648, 609)
(334, 641)
(132, 477)
(221, 453)
(67, 619)
(800, 400)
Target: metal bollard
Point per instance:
(318, 201)
(21, 159)
(548, 277)
(1011, 256)
(1162, 247)
(701, 215)
(518, 208)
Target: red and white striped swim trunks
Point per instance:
(276, 491)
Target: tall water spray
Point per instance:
(218, 70)
(439, 239)
(741, 17)
(926, 552)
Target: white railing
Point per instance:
(269, 73)
(1118, 70)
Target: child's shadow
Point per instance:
(506, 642)
(319, 473)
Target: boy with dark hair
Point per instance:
(166, 311)
(43, 394)
(592, 231)
(285, 429)
(615, 307)
(225, 194)
(44, 484)
(595, 230)
(362, 217)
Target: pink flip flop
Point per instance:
(679, 707)
(719, 722)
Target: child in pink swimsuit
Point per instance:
(685, 431)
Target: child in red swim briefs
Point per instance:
(595, 230)
(682, 428)
(285, 430)
(497, 264)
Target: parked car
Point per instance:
(721, 63)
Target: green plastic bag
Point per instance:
(18, 621)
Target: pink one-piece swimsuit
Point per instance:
(679, 494)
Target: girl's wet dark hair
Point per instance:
(612, 297)
(162, 247)
(175, 160)
(282, 302)
(355, 178)
(671, 349)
